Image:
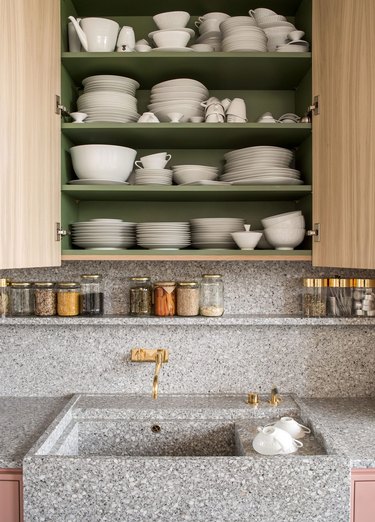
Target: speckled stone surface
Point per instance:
(22, 421)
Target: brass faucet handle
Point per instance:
(275, 398)
(253, 399)
(149, 355)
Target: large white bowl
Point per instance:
(190, 177)
(273, 221)
(246, 240)
(171, 19)
(285, 238)
(103, 161)
(171, 38)
(293, 222)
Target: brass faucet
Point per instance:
(158, 356)
(275, 398)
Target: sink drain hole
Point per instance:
(155, 428)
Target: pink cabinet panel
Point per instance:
(11, 496)
(363, 495)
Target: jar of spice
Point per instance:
(68, 299)
(4, 298)
(91, 298)
(364, 297)
(21, 299)
(314, 297)
(340, 296)
(212, 295)
(165, 298)
(44, 299)
(188, 295)
(140, 296)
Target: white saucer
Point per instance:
(172, 49)
(96, 182)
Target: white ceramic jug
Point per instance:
(96, 34)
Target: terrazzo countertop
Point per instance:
(22, 421)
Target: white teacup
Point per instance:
(215, 16)
(196, 119)
(226, 103)
(237, 108)
(274, 441)
(154, 161)
(215, 118)
(291, 426)
(208, 26)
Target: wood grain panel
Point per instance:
(29, 133)
(344, 132)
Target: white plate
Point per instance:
(269, 181)
(204, 182)
(96, 182)
(172, 49)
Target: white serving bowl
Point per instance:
(103, 161)
(171, 38)
(285, 238)
(246, 240)
(171, 19)
(293, 222)
(273, 221)
(190, 177)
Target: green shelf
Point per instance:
(188, 135)
(277, 71)
(186, 193)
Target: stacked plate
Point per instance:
(185, 174)
(153, 177)
(164, 235)
(212, 38)
(181, 95)
(240, 33)
(109, 98)
(215, 232)
(263, 165)
(103, 234)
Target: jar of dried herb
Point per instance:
(140, 296)
(21, 299)
(68, 299)
(44, 299)
(314, 297)
(188, 294)
(165, 298)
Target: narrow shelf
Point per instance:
(186, 193)
(186, 255)
(188, 135)
(276, 71)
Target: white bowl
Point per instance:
(190, 177)
(171, 19)
(293, 222)
(285, 238)
(103, 161)
(263, 243)
(278, 218)
(171, 38)
(247, 240)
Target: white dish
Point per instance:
(171, 19)
(191, 32)
(96, 182)
(172, 49)
(269, 181)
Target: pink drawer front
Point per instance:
(363, 495)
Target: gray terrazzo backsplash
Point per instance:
(311, 361)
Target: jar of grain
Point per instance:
(44, 299)
(314, 297)
(4, 298)
(140, 296)
(68, 299)
(188, 295)
(21, 299)
(91, 298)
(364, 297)
(165, 298)
(212, 296)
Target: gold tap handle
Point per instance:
(155, 383)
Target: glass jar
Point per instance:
(340, 296)
(212, 296)
(91, 296)
(68, 299)
(188, 296)
(21, 299)
(4, 298)
(140, 296)
(314, 298)
(364, 297)
(165, 298)
(44, 299)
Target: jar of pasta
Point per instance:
(165, 298)
(68, 299)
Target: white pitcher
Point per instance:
(97, 34)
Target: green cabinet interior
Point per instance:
(273, 82)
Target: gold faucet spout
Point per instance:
(155, 383)
(159, 357)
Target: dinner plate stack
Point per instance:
(103, 234)
(153, 177)
(109, 98)
(182, 95)
(164, 235)
(262, 165)
(240, 33)
(215, 232)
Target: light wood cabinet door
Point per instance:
(344, 132)
(29, 133)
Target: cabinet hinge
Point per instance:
(60, 109)
(315, 109)
(60, 232)
(315, 233)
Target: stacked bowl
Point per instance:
(215, 233)
(285, 231)
(181, 95)
(209, 29)
(240, 33)
(109, 98)
(275, 26)
(103, 234)
(187, 174)
(163, 235)
(172, 34)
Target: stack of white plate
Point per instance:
(182, 95)
(240, 33)
(212, 38)
(103, 234)
(185, 174)
(109, 98)
(164, 235)
(153, 177)
(263, 165)
(215, 232)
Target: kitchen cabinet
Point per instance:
(363, 495)
(11, 496)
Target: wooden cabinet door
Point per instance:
(11, 496)
(29, 133)
(363, 496)
(344, 133)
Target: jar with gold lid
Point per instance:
(140, 296)
(314, 297)
(21, 299)
(188, 298)
(340, 297)
(364, 297)
(212, 295)
(4, 298)
(44, 299)
(91, 297)
(68, 299)
(165, 298)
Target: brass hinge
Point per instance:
(60, 232)
(315, 233)
(315, 109)
(61, 110)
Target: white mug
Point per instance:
(154, 161)
(215, 118)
